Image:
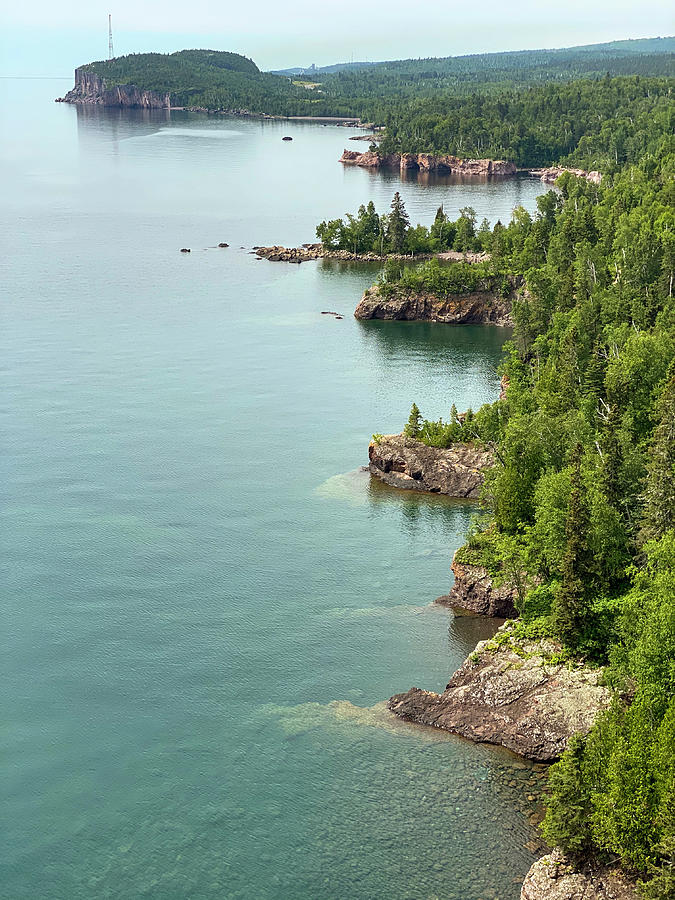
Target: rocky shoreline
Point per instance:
(552, 173)
(482, 307)
(428, 162)
(406, 463)
(445, 164)
(512, 691)
(555, 877)
(474, 590)
(307, 252)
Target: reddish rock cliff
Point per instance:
(428, 162)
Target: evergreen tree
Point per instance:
(659, 508)
(397, 224)
(567, 822)
(570, 605)
(611, 456)
(414, 425)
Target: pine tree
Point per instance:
(612, 457)
(414, 426)
(570, 605)
(397, 224)
(567, 823)
(659, 508)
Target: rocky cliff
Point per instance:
(471, 308)
(553, 877)
(510, 692)
(403, 462)
(90, 88)
(427, 162)
(474, 591)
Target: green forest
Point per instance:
(579, 509)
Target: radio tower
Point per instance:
(110, 43)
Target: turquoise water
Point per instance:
(206, 599)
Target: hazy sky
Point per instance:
(41, 37)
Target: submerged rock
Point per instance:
(404, 462)
(509, 692)
(554, 877)
(471, 308)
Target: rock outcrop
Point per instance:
(482, 307)
(554, 877)
(91, 88)
(427, 162)
(277, 253)
(404, 462)
(552, 173)
(508, 692)
(474, 591)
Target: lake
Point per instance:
(206, 599)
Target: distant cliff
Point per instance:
(91, 88)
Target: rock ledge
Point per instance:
(475, 592)
(471, 308)
(404, 462)
(507, 692)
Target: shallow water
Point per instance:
(207, 600)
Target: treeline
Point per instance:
(600, 124)
(580, 505)
(394, 85)
(392, 233)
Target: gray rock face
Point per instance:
(474, 591)
(472, 308)
(516, 699)
(90, 88)
(406, 463)
(553, 877)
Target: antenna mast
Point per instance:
(110, 42)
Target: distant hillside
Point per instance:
(323, 70)
(508, 61)
(461, 75)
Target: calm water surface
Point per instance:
(206, 600)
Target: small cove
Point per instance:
(207, 600)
